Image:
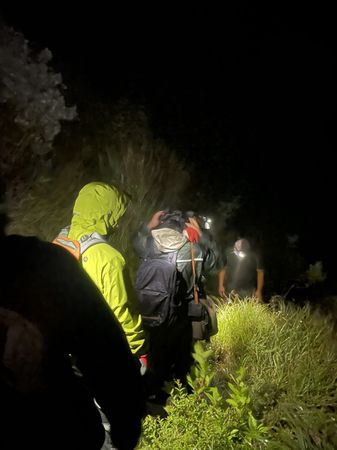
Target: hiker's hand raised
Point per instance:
(155, 220)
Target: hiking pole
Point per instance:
(195, 289)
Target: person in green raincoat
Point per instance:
(96, 212)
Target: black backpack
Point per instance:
(156, 285)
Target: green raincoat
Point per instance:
(98, 208)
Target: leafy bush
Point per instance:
(202, 420)
(32, 107)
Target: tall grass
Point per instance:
(123, 152)
(290, 359)
(271, 383)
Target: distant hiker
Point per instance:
(96, 213)
(49, 310)
(242, 273)
(165, 287)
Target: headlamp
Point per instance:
(239, 254)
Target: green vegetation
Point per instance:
(267, 380)
(202, 420)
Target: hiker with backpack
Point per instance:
(165, 286)
(96, 213)
(49, 310)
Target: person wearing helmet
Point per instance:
(96, 211)
(242, 273)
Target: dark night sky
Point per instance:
(247, 95)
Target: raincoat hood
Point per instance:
(98, 207)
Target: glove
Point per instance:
(192, 234)
(143, 364)
(192, 230)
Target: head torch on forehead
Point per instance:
(207, 222)
(204, 221)
(241, 247)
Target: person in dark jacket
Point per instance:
(51, 310)
(170, 345)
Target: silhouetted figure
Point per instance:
(243, 272)
(49, 310)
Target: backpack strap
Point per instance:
(172, 257)
(89, 240)
(73, 247)
(77, 248)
